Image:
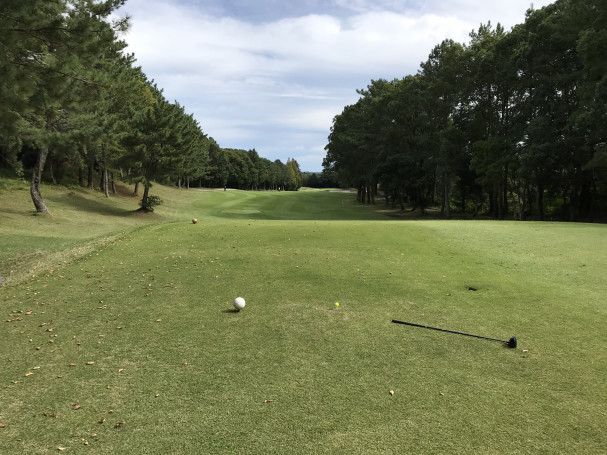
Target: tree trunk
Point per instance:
(36, 179)
(144, 199)
(540, 202)
(90, 173)
(104, 174)
(136, 192)
(106, 189)
(80, 176)
(51, 171)
(113, 182)
(447, 200)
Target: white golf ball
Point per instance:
(239, 303)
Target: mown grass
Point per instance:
(177, 371)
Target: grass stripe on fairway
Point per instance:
(181, 372)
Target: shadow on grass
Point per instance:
(231, 311)
(79, 202)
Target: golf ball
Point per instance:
(336, 304)
(239, 303)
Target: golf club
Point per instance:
(511, 342)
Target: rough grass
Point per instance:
(176, 370)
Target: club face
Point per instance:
(512, 342)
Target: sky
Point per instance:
(271, 75)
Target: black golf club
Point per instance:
(511, 342)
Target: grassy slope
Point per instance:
(152, 310)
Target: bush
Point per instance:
(152, 201)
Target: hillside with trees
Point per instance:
(73, 103)
(512, 124)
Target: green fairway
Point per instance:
(125, 339)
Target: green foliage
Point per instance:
(505, 120)
(150, 203)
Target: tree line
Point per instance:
(512, 123)
(72, 100)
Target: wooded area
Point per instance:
(73, 102)
(511, 124)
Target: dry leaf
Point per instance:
(36, 368)
(61, 449)
(90, 363)
(119, 425)
(185, 363)
(28, 312)
(75, 406)
(391, 392)
(157, 395)
(268, 401)
(102, 421)
(72, 365)
(29, 373)
(2, 425)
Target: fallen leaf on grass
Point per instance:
(46, 414)
(28, 312)
(2, 425)
(391, 392)
(119, 425)
(29, 373)
(90, 363)
(75, 406)
(185, 363)
(102, 421)
(61, 449)
(72, 365)
(268, 401)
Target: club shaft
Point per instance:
(445, 330)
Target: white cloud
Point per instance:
(256, 84)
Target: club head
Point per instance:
(512, 342)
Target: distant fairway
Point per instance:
(126, 340)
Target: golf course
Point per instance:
(119, 333)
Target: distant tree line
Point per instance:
(71, 100)
(246, 170)
(512, 124)
(324, 179)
